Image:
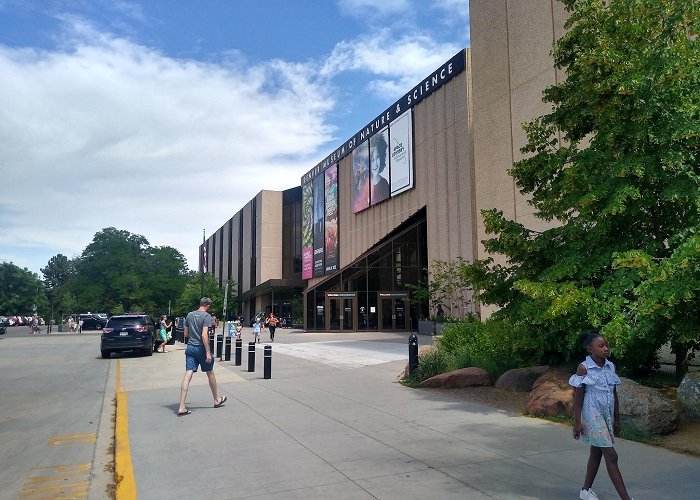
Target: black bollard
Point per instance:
(412, 353)
(220, 346)
(211, 345)
(239, 351)
(227, 354)
(267, 365)
(251, 356)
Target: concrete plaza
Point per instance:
(333, 422)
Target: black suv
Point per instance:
(93, 321)
(129, 332)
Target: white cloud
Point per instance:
(109, 133)
(399, 62)
(106, 132)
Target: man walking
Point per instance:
(197, 353)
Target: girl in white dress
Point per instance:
(596, 414)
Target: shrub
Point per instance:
(431, 363)
(496, 346)
(456, 335)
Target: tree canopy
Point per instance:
(119, 271)
(21, 290)
(615, 166)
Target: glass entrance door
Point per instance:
(400, 313)
(341, 309)
(334, 314)
(348, 314)
(393, 312)
(387, 313)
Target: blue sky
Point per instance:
(164, 117)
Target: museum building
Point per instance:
(406, 190)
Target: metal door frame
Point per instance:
(394, 296)
(341, 296)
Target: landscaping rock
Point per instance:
(689, 396)
(551, 395)
(466, 377)
(646, 409)
(520, 379)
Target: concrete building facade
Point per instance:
(511, 42)
(258, 250)
(466, 133)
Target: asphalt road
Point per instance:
(52, 392)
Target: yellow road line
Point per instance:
(57, 482)
(61, 439)
(123, 468)
(64, 468)
(48, 479)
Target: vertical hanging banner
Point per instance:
(319, 226)
(401, 164)
(307, 231)
(331, 185)
(379, 166)
(360, 177)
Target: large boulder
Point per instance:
(466, 377)
(689, 395)
(646, 409)
(520, 379)
(551, 395)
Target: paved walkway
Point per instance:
(333, 423)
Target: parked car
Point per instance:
(129, 332)
(91, 321)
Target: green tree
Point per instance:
(446, 286)
(56, 274)
(615, 166)
(190, 296)
(167, 275)
(119, 271)
(20, 291)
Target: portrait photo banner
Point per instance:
(319, 226)
(401, 161)
(307, 231)
(379, 166)
(331, 186)
(360, 177)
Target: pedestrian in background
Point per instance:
(272, 323)
(197, 353)
(164, 327)
(239, 327)
(256, 330)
